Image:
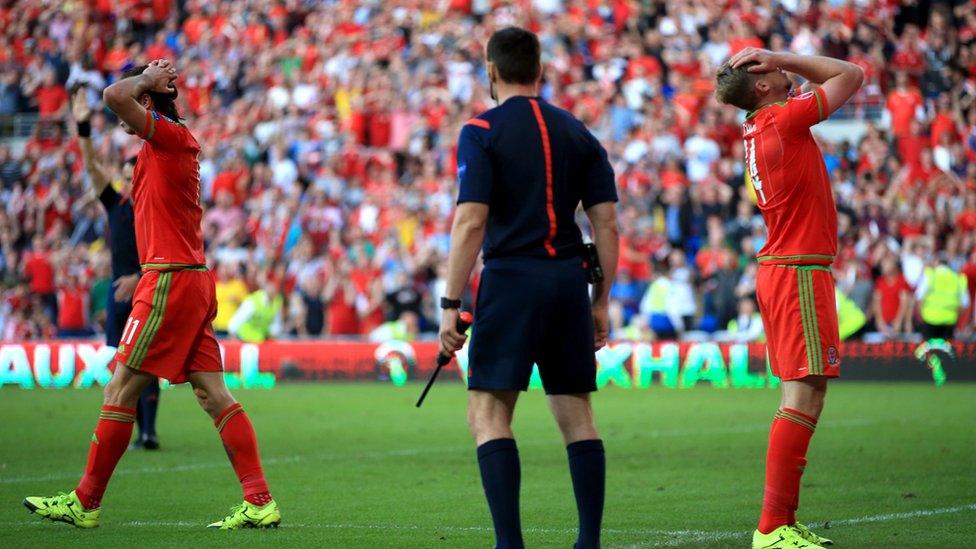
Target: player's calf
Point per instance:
(108, 444)
(241, 444)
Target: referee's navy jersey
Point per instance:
(122, 232)
(533, 164)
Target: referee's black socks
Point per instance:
(501, 476)
(588, 467)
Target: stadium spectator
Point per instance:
(259, 316)
(340, 293)
(231, 292)
(73, 308)
(308, 308)
(38, 268)
(404, 328)
(851, 319)
(669, 302)
(747, 325)
(942, 294)
(892, 301)
(327, 132)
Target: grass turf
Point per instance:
(356, 465)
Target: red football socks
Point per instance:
(111, 438)
(242, 448)
(789, 439)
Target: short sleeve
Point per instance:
(805, 110)
(474, 169)
(162, 132)
(599, 185)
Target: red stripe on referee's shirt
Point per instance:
(479, 122)
(547, 152)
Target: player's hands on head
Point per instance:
(161, 74)
(766, 61)
(80, 109)
(451, 339)
(601, 326)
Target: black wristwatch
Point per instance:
(450, 303)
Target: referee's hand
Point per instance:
(601, 326)
(451, 339)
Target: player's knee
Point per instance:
(810, 402)
(816, 402)
(203, 398)
(213, 402)
(110, 396)
(116, 395)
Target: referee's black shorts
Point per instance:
(533, 310)
(117, 313)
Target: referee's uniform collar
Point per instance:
(526, 97)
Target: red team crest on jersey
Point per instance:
(832, 356)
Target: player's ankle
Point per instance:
(260, 499)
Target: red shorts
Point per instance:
(799, 313)
(168, 333)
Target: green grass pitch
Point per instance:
(356, 465)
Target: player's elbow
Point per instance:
(113, 97)
(856, 75)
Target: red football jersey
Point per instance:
(166, 196)
(787, 171)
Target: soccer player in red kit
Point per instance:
(168, 333)
(795, 288)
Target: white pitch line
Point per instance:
(677, 537)
(693, 536)
(906, 515)
(284, 460)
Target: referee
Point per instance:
(125, 260)
(523, 169)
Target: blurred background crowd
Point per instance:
(328, 131)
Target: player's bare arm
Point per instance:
(127, 98)
(93, 165)
(839, 80)
(467, 236)
(603, 217)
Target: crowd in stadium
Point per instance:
(328, 133)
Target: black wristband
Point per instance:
(84, 128)
(450, 303)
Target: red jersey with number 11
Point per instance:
(786, 169)
(166, 196)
